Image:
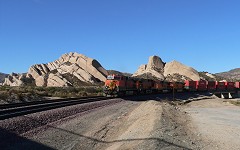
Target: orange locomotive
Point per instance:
(119, 85)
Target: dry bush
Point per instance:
(4, 95)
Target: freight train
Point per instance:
(120, 85)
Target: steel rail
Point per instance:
(24, 110)
(13, 105)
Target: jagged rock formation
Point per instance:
(172, 71)
(59, 72)
(155, 67)
(175, 67)
(13, 80)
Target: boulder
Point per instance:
(14, 80)
(175, 67)
(154, 68)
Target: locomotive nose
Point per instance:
(112, 85)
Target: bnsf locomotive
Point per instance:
(119, 85)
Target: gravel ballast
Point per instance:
(25, 123)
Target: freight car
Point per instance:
(211, 86)
(119, 85)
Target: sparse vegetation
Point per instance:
(147, 76)
(237, 103)
(177, 77)
(205, 77)
(208, 78)
(119, 73)
(31, 93)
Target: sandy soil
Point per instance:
(217, 121)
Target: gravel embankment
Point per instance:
(22, 124)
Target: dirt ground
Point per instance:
(217, 121)
(150, 124)
(127, 125)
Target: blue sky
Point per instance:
(121, 34)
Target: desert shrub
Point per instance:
(60, 94)
(82, 94)
(28, 81)
(237, 103)
(28, 93)
(4, 88)
(4, 95)
(42, 93)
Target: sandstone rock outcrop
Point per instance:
(14, 79)
(175, 67)
(155, 67)
(54, 73)
(173, 70)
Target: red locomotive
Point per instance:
(119, 85)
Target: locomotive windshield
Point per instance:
(111, 77)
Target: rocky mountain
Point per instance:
(173, 71)
(70, 69)
(233, 74)
(175, 67)
(154, 68)
(75, 69)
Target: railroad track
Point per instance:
(19, 109)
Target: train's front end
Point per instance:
(111, 87)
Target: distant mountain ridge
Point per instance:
(2, 77)
(233, 74)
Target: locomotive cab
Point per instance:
(111, 86)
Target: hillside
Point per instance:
(233, 74)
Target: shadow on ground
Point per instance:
(11, 141)
(161, 143)
(170, 96)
